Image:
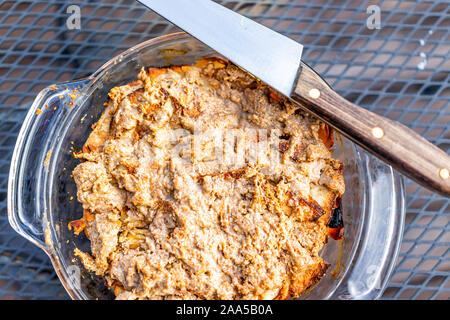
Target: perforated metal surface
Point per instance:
(400, 70)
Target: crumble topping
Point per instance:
(201, 182)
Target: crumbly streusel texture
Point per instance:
(168, 223)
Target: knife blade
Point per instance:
(276, 60)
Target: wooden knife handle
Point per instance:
(393, 142)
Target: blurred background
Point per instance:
(399, 69)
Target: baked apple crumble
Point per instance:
(201, 182)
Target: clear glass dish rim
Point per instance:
(89, 82)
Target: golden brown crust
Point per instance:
(302, 280)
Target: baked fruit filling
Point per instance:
(201, 182)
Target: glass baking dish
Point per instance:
(42, 194)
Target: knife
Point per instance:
(276, 60)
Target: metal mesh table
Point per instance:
(400, 70)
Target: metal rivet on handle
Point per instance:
(377, 132)
(444, 174)
(314, 93)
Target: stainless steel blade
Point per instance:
(268, 55)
